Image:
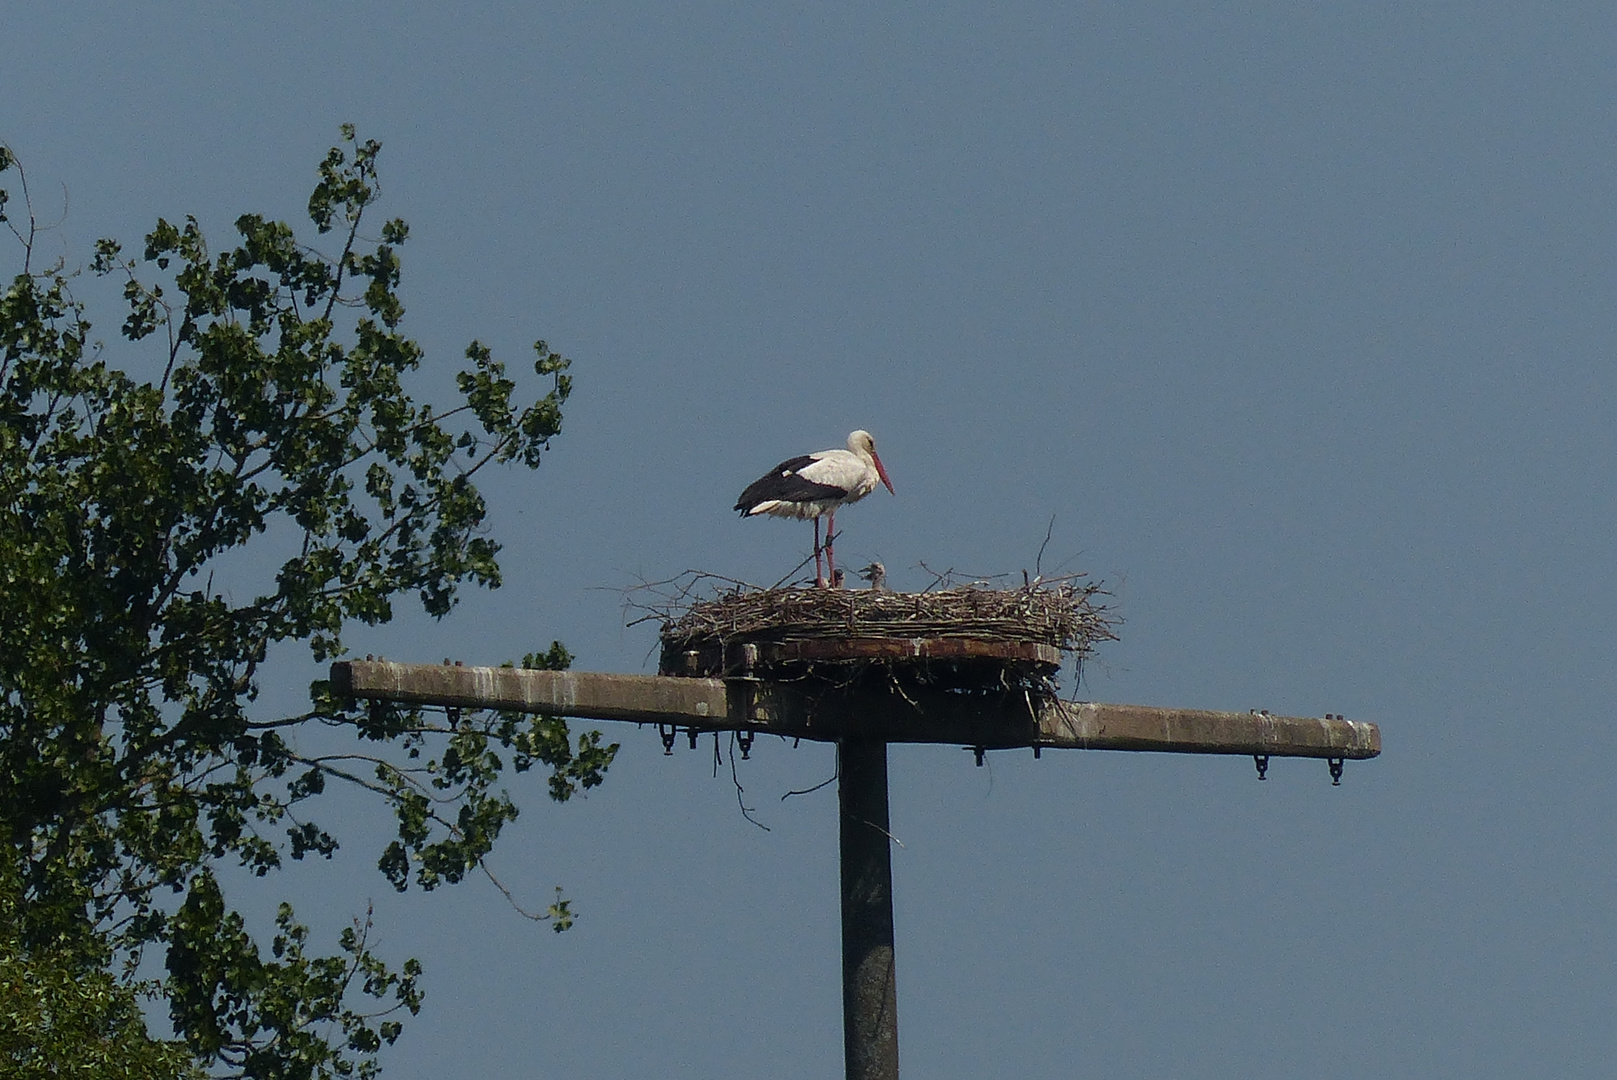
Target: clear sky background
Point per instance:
(1299, 320)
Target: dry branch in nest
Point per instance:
(970, 635)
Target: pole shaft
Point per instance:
(869, 986)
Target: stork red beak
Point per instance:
(882, 472)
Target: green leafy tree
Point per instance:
(272, 419)
(59, 1017)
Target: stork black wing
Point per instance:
(783, 483)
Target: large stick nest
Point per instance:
(708, 615)
(1065, 616)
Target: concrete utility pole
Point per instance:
(862, 723)
(869, 975)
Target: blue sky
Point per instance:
(1298, 322)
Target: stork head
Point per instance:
(861, 443)
(876, 574)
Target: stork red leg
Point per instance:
(830, 539)
(819, 571)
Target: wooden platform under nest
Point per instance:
(969, 636)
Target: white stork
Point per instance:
(814, 485)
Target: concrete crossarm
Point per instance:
(996, 720)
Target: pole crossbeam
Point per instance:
(999, 720)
